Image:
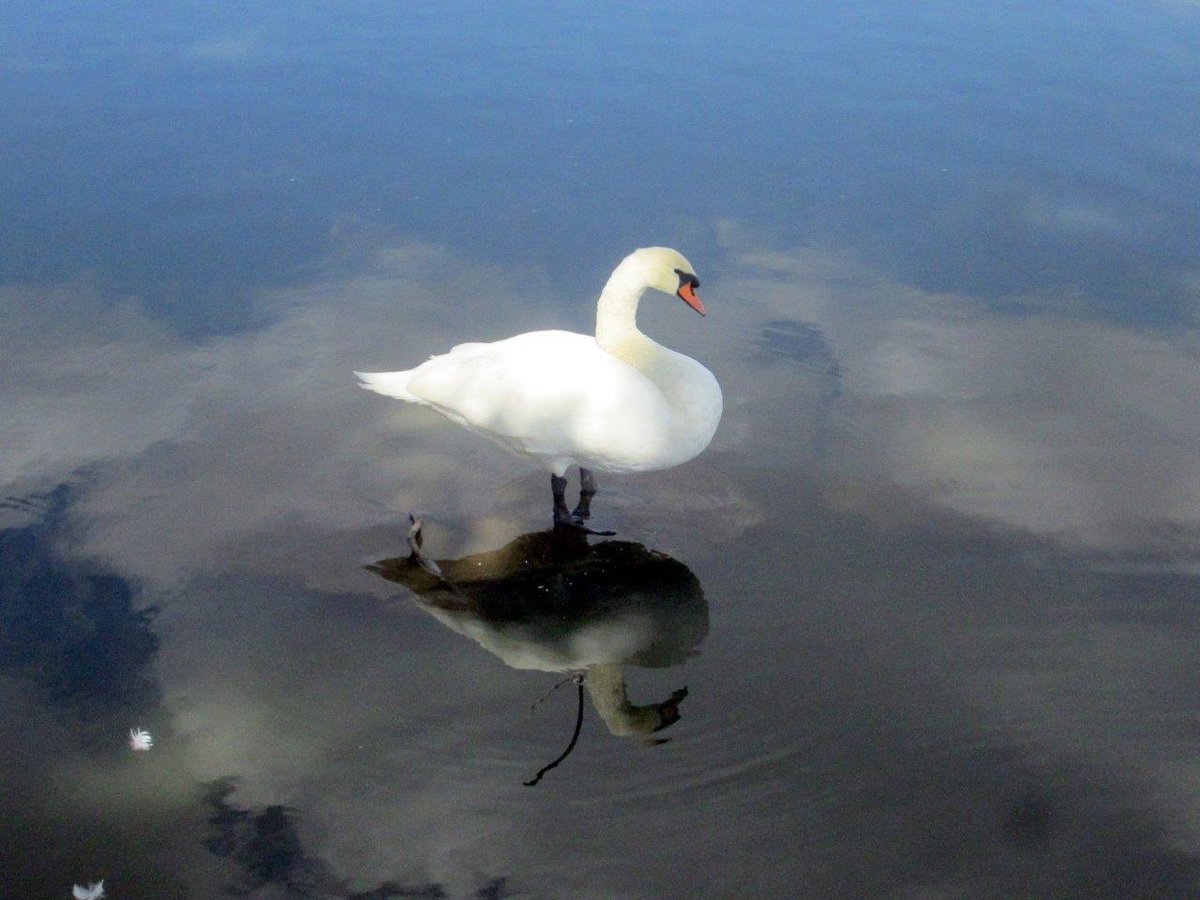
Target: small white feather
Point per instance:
(91, 892)
(139, 739)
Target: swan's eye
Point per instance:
(687, 278)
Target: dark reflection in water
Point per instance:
(68, 626)
(551, 601)
(266, 846)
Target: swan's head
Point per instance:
(668, 271)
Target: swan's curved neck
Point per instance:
(616, 312)
(606, 685)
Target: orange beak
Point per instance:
(688, 295)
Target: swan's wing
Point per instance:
(395, 384)
(547, 393)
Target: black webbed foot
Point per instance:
(573, 525)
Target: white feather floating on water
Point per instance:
(139, 740)
(91, 892)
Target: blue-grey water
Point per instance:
(932, 591)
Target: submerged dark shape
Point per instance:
(550, 601)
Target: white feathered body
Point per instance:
(558, 397)
(616, 402)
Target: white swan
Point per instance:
(618, 402)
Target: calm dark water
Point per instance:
(932, 591)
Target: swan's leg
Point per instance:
(565, 519)
(587, 490)
(558, 487)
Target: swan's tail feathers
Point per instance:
(390, 384)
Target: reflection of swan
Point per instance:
(549, 601)
(617, 403)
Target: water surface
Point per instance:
(931, 591)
